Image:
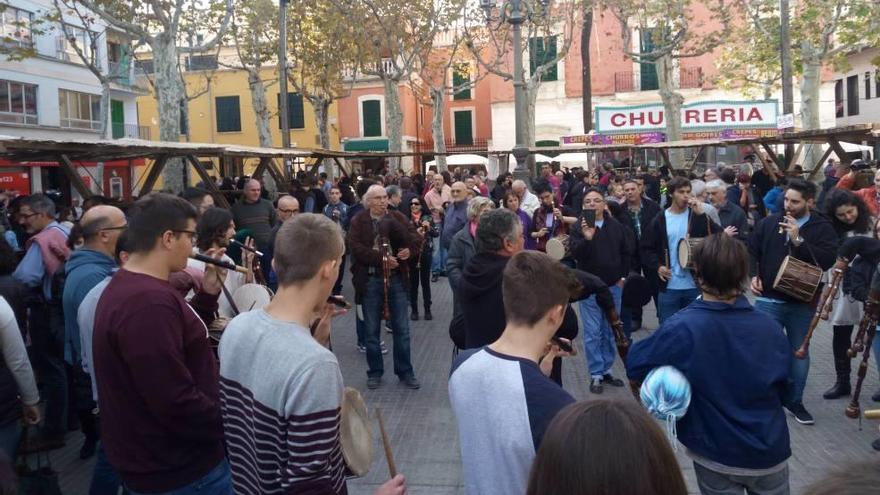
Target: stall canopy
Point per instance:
(461, 160)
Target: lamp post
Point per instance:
(515, 13)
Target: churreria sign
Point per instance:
(697, 116)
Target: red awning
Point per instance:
(111, 163)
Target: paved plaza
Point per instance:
(425, 440)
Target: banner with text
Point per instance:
(695, 117)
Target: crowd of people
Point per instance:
(109, 311)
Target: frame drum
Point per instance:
(686, 247)
(557, 247)
(798, 279)
(355, 433)
(251, 296)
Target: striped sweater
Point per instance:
(280, 393)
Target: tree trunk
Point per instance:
(672, 102)
(810, 85)
(169, 95)
(531, 97)
(393, 121)
(438, 108)
(586, 70)
(261, 117)
(321, 107)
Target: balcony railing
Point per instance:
(627, 81)
(477, 145)
(690, 77)
(386, 65)
(131, 131)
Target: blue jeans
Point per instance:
(398, 304)
(10, 435)
(599, 345)
(438, 262)
(105, 479)
(671, 301)
(216, 482)
(795, 318)
(715, 483)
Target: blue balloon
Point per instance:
(666, 394)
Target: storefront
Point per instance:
(41, 176)
(643, 124)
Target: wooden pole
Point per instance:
(839, 151)
(818, 166)
(76, 181)
(153, 175)
(208, 180)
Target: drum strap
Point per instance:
(228, 296)
(809, 250)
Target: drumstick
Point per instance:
(386, 444)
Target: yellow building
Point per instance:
(223, 111)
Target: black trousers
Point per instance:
(46, 330)
(420, 271)
(840, 344)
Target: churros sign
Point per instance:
(698, 116)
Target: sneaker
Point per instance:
(428, 315)
(374, 382)
(411, 382)
(362, 349)
(800, 413)
(596, 386)
(876, 396)
(435, 277)
(876, 444)
(388, 329)
(383, 347)
(414, 316)
(610, 380)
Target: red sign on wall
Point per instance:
(17, 181)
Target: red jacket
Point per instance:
(869, 196)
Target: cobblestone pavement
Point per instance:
(422, 428)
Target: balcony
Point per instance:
(386, 65)
(476, 145)
(629, 81)
(129, 131)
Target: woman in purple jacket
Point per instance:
(511, 202)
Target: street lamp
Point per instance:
(515, 13)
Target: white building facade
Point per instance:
(52, 94)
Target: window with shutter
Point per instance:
(460, 77)
(371, 112)
(542, 50)
(295, 113)
(647, 71)
(228, 114)
(464, 127)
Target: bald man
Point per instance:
(456, 214)
(528, 202)
(89, 265)
(364, 238)
(255, 214)
(287, 208)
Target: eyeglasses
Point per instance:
(191, 233)
(22, 215)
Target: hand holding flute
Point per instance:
(214, 269)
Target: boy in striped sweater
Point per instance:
(280, 387)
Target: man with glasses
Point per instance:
(45, 254)
(155, 370)
(604, 248)
(456, 214)
(287, 208)
(87, 267)
(375, 286)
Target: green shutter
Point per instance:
(295, 113)
(541, 51)
(371, 111)
(184, 125)
(117, 118)
(464, 128)
(648, 71)
(461, 77)
(228, 114)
